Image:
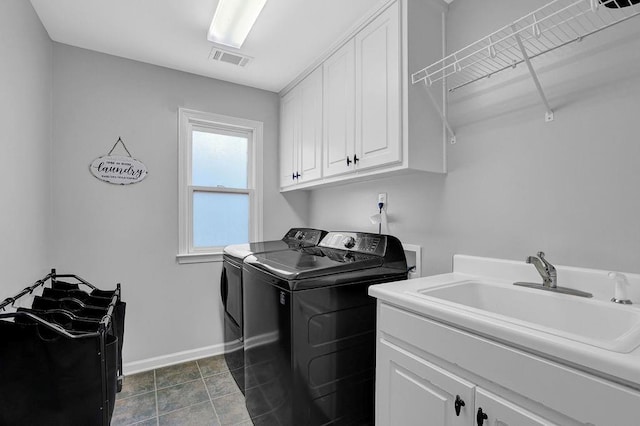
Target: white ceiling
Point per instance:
(287, 38)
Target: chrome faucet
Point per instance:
(549, 277)
(546, 270)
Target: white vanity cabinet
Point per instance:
(301, 132)
(423, 365)
(414, 391)
(470, 336)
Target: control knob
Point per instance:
(349, 242)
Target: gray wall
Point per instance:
(517, 184)
(129, 234)
(25, 120)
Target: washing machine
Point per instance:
(231, 289)
(310, 329)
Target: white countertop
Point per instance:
(620, 367)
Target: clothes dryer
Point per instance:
(231, 289)
(310, 326)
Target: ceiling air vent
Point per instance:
(228, 57)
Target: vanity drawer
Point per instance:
(563, 389)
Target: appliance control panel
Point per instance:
(360, 242)
(306, 236)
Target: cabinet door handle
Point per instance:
(481, 417)
(355, 159)
(458, 404)
(348, 161)
(297, 175)
(293, 176)
(224, 288)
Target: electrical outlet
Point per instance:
(382, 198)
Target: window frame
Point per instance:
(190, 120)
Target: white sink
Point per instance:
(598, 323)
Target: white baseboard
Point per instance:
(171, 359)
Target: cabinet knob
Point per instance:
(348, 161)
(458, 404)
(297, 175)
(293, 176)
(481, 417)
(355, 159)
(349, 242)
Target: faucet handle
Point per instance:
(549, 266)
(546, 270)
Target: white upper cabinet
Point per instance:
(301, 132)
(289, 113)
(362, 99)
(310, 143)
(368, 127)
(378, 136)
(339, 111)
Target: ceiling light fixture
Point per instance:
(233, 20)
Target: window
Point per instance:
(220, 192)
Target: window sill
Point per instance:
(199, 258)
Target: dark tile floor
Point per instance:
(196, 393)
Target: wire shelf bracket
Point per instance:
(452, 138)
(549, 114)
(554, 25)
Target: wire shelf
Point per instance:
(554, 25)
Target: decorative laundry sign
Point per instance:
(119, 170)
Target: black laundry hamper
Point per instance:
(60, 366)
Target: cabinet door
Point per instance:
(378, 130)
(412, 391)
(310, 144)
(289, 130)
(339, 111)
(501, 412)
